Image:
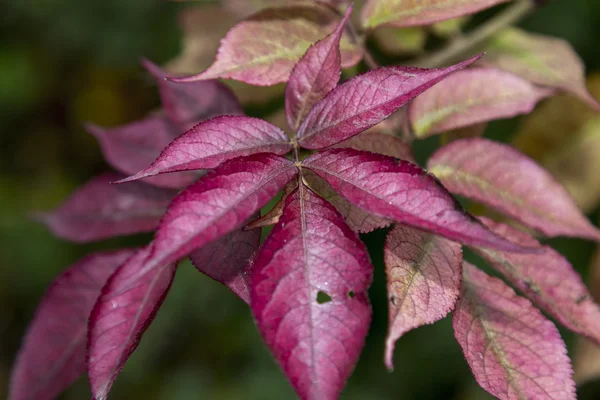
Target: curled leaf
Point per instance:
(470, 97)
(423, 281)
(273, 215)
(498, 175)
(309, 295)
(366, 100)
(100, 210)
(512, 349)
(52, 355)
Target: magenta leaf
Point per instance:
(366, 100)
(123, 312)
(131, 148)
(512, 349)
(309, 295)
(273, 215)
(548, 280)
(219, 203)
(423, 281)
(263, 49)
(404, 192)
(52, 355)
(228, 260)
(470, 97)
(188, 104)
(210, 143)
(100, 210)
(500, 176)
(316, 74)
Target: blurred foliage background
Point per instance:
(63, 62)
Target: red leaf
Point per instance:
(130, 148)
(401, 191)
(423, 281)
(210, 143)
(548, 280)
(366, 100)
(500, 176)
(316, 74)
(219, 203)
(470, 97)
(190, 103)
(512, 349)
(52, 355)
(100, 210)
(228, 260)
(127, 306)
(309, 295)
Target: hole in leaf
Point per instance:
(393, 300)
(323, 297)
(351, 294)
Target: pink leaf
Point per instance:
(377, 142)
(309, 295)
(219, 203)
(366, 100)
(127, 306)
(401, 191)
(316, 74)
(52, 355)
(210, 143)
(512, 349)
(548, 280)
(132, 147)
(419, 12)
(272, 217)
(188, 104)
(423, 281)
(470, 97)
(100, 210)
(263, 49)
(228, 260)
(498, 175)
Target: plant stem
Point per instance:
(464, 44)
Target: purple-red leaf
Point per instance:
(263, 49)
(52, 355)
(316, 74)
(228, 260)
(100, 210)
(548, 280)
(512, 349)
(188, 104)
(498, 175)
(123, 312)
(131, 148)
(401, 191)
(272, 217)
(470, 97)
(378, 142)
(366, 100)
(423, 281)
(219, 203)
(210, 143)
(309, 295)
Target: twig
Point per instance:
(463, 44)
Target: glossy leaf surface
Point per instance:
(512, 349)
(366, 100)
(498, 175)
(100, 210)
(212, 142)
(309, 295)
(123, 312)
(470, 97)
(423, 281)
(52, 355)
(263, 49)
(401, 191)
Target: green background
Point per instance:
(63, 62)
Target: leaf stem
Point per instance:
(461, 45)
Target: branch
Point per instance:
(463, 44)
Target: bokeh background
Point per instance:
(63, 62)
